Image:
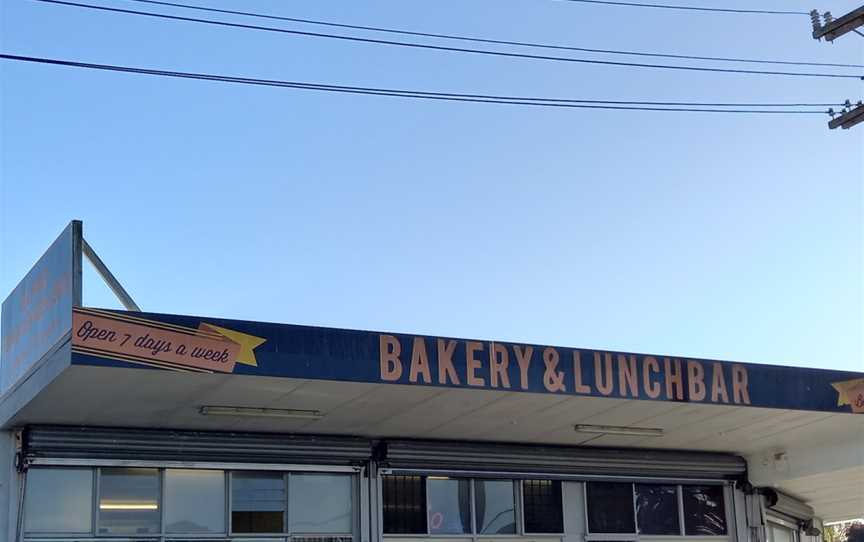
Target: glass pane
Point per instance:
(704, 511)
(495, 507)
(194, 501)
(58, 501)
(610, 507)
(404, 504)
(657, 509)
(449, 506)
(320, 503)
(543, 509)
(781, 534)
(257, 502)
(128, 501)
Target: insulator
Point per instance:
(828, 18)
(816, 20)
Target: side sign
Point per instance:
(38, 312)
(186, 343)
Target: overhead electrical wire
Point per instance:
(475, 39)
(689, 107)
(690, 8)
(448, 48)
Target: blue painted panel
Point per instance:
(38, 312)
(116, 338)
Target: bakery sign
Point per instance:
(212, 345)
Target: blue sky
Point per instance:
(713, 236)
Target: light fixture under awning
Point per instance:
(261, 412)
(620, 430)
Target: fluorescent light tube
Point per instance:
(128, 506)
(620, 430)
(261, 412)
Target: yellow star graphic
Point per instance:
(247, 343)
(843, 389)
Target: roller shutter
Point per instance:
(459, 456)
(98, 443)
(786, 505)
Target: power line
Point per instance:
(475, 39)
(690, 107)
(447, 48)
(690, 8)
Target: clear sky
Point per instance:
(714, 236)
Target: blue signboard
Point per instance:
(38, 313)
(186, 343)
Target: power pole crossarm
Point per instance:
(849, 118)
(834, 28)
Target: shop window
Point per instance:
(404, 504)
(543, 510)
(449, 505)
(194, 501)
(780, 533)
(257, 502)
(494, 504)
(610, 507)
(320, 503)
(657, 509)
(704, 511)
(128, 501)
(58, 501)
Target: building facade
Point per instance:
(132, 426)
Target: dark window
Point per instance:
(610, 507)
(449, 506)
(657, 509)
(541, 500)
(704, 511)
(257, 502)
(404, 504)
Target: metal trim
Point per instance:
(483, 474)
(63, 462)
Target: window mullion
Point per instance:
(94, 509)
(161, 502)
(286, 517)
(473, 493)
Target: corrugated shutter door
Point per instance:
(787, 505)
(459, 456)
(64, 442)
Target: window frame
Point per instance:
(357, 507)
(637, 536)
(230, 519)
(26, 535)
(474, 535)
(160, 495)
(521, 507)
(471, 508)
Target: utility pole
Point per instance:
(834, 28)
(849, 117)
(827, 27)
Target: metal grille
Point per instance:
(458, 457)
(404, 503)
(97, 443)
(542, 506)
